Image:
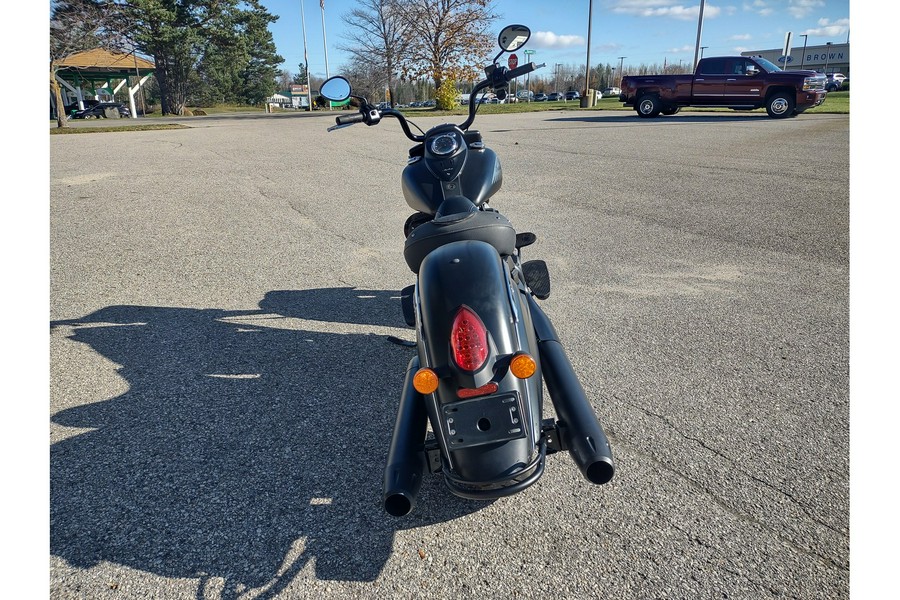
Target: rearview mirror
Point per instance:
(513, 37)
(336, 89)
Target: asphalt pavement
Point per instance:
(223, 391)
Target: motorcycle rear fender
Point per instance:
(473, 274)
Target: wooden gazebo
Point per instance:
(99, 73)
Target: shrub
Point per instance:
(446, 95)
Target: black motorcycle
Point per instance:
(484, 346)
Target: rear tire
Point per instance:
(670, 110)
(780, 105)
(648, 106)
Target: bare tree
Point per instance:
(448, 38)
(285, 79)
(378, 35)
(76, 26)
(368, 79)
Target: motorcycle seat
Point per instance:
(485, 226)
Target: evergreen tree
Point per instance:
(300, 77)
(205, 49)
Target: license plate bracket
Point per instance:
(486, 420)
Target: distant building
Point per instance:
(288, 99)
(822, 58)
(97, 75)
(299, 96)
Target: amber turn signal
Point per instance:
(522, 366)
(425, 381)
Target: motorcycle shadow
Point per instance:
(243, 451)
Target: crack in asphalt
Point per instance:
(763, 482)
(826, 560)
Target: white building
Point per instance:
(824, 58)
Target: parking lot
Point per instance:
(223, 392)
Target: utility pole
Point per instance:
(587, 64)
(803, 57)
(699, 31)
(621, 58)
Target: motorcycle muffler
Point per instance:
(580, 430)
(406, 457)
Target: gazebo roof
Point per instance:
(99, 60)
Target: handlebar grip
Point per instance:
(519, 71)
(347, 120)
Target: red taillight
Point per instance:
(468, 340)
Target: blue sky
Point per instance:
(643, 31)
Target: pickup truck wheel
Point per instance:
(780, 105)
(670, 110)
(648, 106)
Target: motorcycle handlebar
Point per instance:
(348, 119)
(375, 114)
(519, 71)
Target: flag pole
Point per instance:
(306, 58)
(324, 41)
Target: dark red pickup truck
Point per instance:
(737, 82)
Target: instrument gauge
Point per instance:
(444, 144)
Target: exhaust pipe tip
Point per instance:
(398, 504)
(401, 487)
(600, 472)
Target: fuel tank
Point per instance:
(473, 173)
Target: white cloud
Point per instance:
(828, 28)
(741, 36)
(548, 39)
(685, 48)
(663, 8)
(760, 7)
(640, 4)
(607, 47)
(801, 8)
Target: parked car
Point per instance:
(540, 97)
(98, 111)
(524, 95)
(611, 91)
(554, 96)
(572, 95)
(834, 82)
